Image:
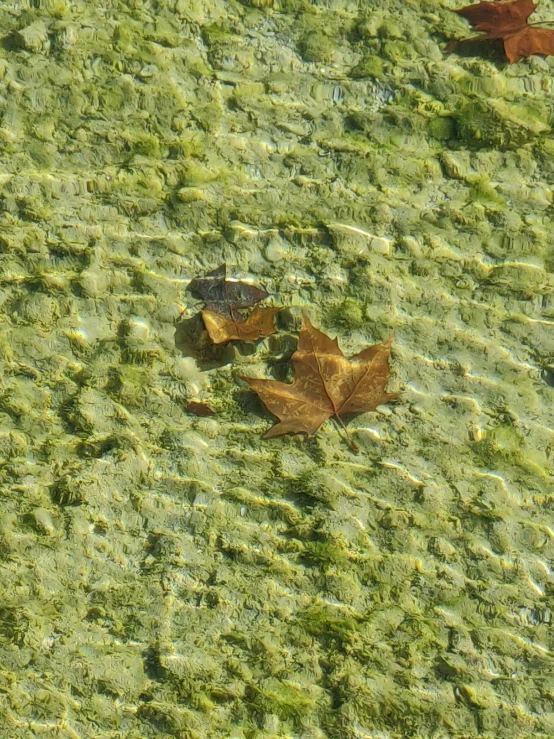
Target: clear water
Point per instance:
(164, 575)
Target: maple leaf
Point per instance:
(326, 384)
(500, 17)
(222, 328)
(508, 20)
(224, 296)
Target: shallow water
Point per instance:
(164, 575)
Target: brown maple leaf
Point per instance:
(326, 384)
(508, 20)
(222, 328)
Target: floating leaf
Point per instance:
(224, 296)
(199, 409)
(508, 20)
(222, 328)
(326, 384)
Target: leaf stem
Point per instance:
(349, 439)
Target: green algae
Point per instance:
(170, 576)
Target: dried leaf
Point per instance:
(224, 296)
(223, 328)
(529, 41)
(199, 409)
(508, 20)
(326, 384)
(498, 18)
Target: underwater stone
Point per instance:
(93, 284)
(276, 250)
(186, 369)
(137, 329)
(316, 46)
(369, 66)
(209, 427)
(43, 520)
(456, 165)
(350, 240)
(381, 244)
(411, 245)
(350, 313)
(194, 442)
(38, 309)
(498, 124)
(191, 194)
(78, 339)
(35, 37)
(442, 128)
(13, 444)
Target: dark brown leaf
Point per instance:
(199, 409)
(326, 384)
(224, 296)
(223, 328)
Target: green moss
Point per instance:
(14, 443)
(504, 446)
(284, 698)
(194, 174)
(42, 153)
(349, 314)
(209, 116)
(391, 28)
(295, 7)
(123, 36)
(398, 51)
(483, 192)
(329, 623)
(146, 145)
(316, 46)
(68, 490)
(498, 124)
(442, 128)
(221, 31)
(331, 551)
(14, 622)
(147, 354)
(258, 3)
(370, 65)
(502, 441)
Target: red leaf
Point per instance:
(508, 20)
(199, 409)
(500, 17)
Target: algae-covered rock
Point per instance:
(442, 128)
(259, 3)
(317, 46)
(370, 65)
(498, 124)
(35, 36)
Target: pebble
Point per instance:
(43, 520)
(276, 250)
